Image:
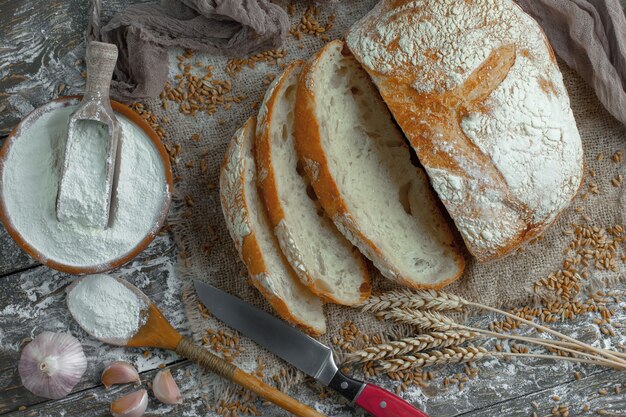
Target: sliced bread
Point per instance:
(326, 262)
(249, 228)
(361, 170)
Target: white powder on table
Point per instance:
(83, 189)
(29, 189)
(105, 308)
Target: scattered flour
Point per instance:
(29, 189)
(105, 308)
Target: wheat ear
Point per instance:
(407, 345)
(420, 319)
(435, 357)
(419, 299)
(461, 355)
(402, 299)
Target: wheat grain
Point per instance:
(407, 345)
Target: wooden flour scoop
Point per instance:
(157, 332)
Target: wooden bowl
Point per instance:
(113, 263)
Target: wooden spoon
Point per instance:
(157, 332)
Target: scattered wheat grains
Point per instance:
(591, 247)
(195, 90)
(617, 156)
(309, 23)
(617, 180)
(223, 343)
(150, 118)
(272, 57)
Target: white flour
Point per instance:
(30, 179)
(83, 190)
(105, 308)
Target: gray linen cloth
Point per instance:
(142, 33)
(590, 36)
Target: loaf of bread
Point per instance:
(361, 171)
(326, 262)
(249, 228)
(476, 89)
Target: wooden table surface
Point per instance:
(40, 44)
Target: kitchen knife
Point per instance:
(302, 351)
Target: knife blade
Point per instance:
(302, 351)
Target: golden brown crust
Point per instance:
(431, 115)
(309, 146)
(269, 187)
(251, 253)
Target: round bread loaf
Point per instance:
(476, 89)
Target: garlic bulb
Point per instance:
(165, 389)
(52, 364)
(119, 372)
(131, 405)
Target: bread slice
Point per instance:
(361, 171)
(326, 262)
(250, 230)
(477, 91)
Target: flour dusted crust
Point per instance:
(475, 87)
(341, 275)
(316, 162)
(268, 272)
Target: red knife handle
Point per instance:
(375, 400)
(381, 403)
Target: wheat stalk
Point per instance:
(422, 319)
(457, 354)
(398, 301)
(407, 345)
(417, 299)
(435, 357)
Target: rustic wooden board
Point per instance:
(40, 44)
(12, 258)
(95, 402)
(34, 301)
(575, 395)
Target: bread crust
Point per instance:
(236, 213)
(269, 190)
(313, 157)
(432, 116)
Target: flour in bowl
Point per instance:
(29, 188)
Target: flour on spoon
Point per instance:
(105, 308)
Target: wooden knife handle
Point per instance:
(188, 349)
(381, 403)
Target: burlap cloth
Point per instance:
(208, 254)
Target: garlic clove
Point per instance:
(119, 372)
(131, 405)
(165, 389)
(52, 364)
